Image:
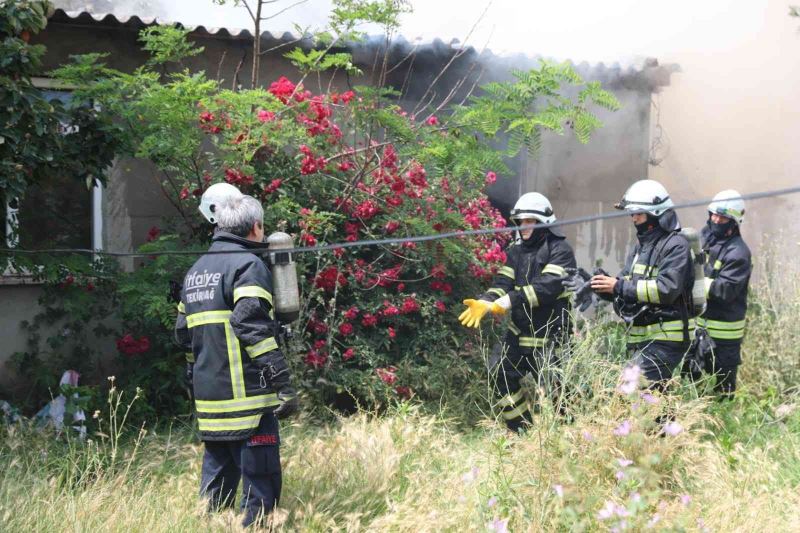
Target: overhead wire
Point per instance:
(385, 242)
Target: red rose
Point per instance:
(391, 226)
(144, 344)
(315, 359)
(389, 309)
(392, 332)
(329, 278)
(153, 234)
(440, 306)
(352, 313)
(320, 344)
(491, 177)
(348, 354)
(410, 305)
(403, 391)
(282, 89)
(266, 116)
(184, 193)
(432, 121)
(387, 375)
(346, 328)
(369, 320)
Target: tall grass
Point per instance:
(410, 472)
(611, 464)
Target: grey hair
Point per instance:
(238, 215)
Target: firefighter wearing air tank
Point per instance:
(653, 293)
(727, 274)
(530, 285)
(240, 378)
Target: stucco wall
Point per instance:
(18, 303)
(731, 119)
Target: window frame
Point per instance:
(10, 275)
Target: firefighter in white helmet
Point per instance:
(653, 291)
(241, 382)
(215, 197)
(530, 285)
(727, 275)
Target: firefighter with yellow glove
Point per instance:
(529, 285)
(240, 379)
(727, 275)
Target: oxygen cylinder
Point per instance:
(698, 258)
(286, 295)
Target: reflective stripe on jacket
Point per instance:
(655, 287)
(728, 268)
(532, 276)
(226, 319)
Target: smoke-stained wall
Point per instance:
(731, 119)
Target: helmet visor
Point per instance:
(524, 219)
(726, 211)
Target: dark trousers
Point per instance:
(723, 362)
(255, 460)
(658, 359)
(513, 367)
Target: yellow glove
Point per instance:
(476, 309)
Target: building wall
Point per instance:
(731, 119)
(580, 179)
(589, 179)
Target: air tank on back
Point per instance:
(698, 259)
(286, 294)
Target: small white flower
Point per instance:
(498, 526)
(623, 429)
(471, 476)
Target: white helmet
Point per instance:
(533, 205)
(728, 203)
(216, 195)
(647, 196)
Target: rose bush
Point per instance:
(337, 166)
(320, 178)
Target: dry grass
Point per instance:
(733, 466)
(409, 472)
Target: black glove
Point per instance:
(290, 403)
(701, 349)
(188, 377)
(189, 374)
(273, 371)
(576, 279)
(579, 283)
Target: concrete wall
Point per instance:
(18, 303)
(731, 119)
(588, 179)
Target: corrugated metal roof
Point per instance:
(645, 70)
(112, 20)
